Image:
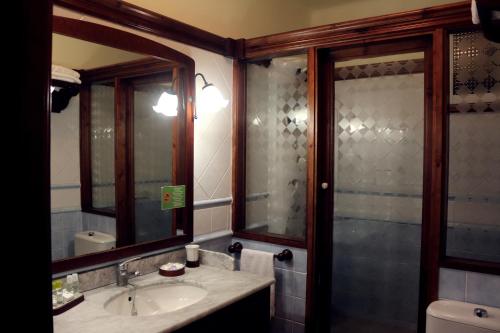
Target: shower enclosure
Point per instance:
(373, 146)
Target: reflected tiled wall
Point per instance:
(64, 225)
(65, 157)
(469, 287)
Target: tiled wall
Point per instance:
(469, 287)
(276, 146)
(290, 286)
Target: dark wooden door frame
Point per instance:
(320, 266)
(28, 170)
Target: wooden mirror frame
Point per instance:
(119, 39)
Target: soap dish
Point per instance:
(58, 309)
(172, 269)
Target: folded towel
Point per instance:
(475, 14)
(64, 70)
(260, 263)
(67, 78)
(65, 74)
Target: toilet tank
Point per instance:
(459, 317)
(91, 241)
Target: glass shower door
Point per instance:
(378, 172)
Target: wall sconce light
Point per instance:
(210, 99)
(168, 103)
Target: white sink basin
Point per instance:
(154, 299)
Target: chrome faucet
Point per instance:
(122, 273)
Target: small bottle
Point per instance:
(69, 283)
(76, 283)
(57, 291)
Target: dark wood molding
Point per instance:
(433, 172)
(100, 34)
(313, 261)
(85, 148)
(405, 24)
(148, 66)
(100, 211)
(135, 17)
(485, 267)
(238, 145)
(320, 301)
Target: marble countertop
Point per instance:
(224, 287)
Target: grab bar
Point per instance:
(286, 254)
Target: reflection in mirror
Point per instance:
(153, 159)
(87, 152)
(473, 217)
(102, 145)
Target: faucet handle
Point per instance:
(124, 264)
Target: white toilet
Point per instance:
(459, 317)
(93, 241)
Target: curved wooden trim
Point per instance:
(410, 23)
(100, 34)
(129, 15)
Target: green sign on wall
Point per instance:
(173, 197)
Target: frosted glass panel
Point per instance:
(102, 127)
(474, 148)
(379, 133)
(276, 146)
(153, 156)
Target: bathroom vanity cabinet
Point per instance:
(250, 314)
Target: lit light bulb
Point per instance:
(52, 88)
(167, 104)
(211, 99)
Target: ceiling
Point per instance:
(253, 18)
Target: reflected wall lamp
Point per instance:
(168, 103)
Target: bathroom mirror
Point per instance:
(121, 145)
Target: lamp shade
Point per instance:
(211, 99)
(167, 104)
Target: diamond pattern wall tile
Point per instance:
(277, 144)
